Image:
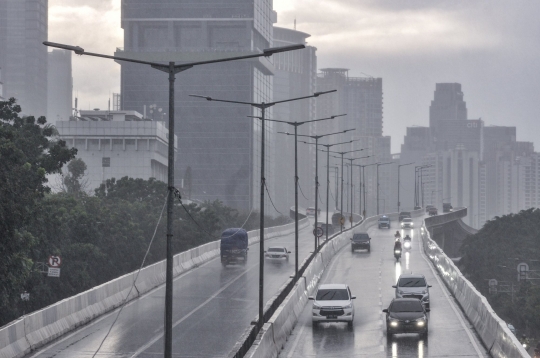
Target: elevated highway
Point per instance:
(370, 277)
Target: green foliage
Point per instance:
(73, 180)
(27, 153)
(491, 254)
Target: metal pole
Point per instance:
(170, 219)
(352, 195)
(316, 189)
(261, 226)
(327, 186)
(360, 190)
(377, 189)
(296, 201)
(422, 185)
(337, 185)
(341, 214)
(364, 187)
(398, 168)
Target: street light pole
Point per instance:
(296, 124)
(378, 165)
(342, 221)
(262, 106)
(172, 69)
(317, 137)
(398, 182)
(364, 184)
(352, 193)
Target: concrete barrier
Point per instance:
(491, 329)
(286, 316)
(34, 330)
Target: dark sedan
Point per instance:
(406, 315)
(361, 241)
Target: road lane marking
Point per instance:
(160, 335)
(78, 330)
(444, 289)
(293, 348)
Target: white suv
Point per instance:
(333, 303)
(413, 286)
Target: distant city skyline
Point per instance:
(491, 49)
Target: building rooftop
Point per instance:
(116, 116)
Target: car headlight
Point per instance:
(424, 292)
(316, 306)
(397, 251)
(400, 292)
(421, 323)
(348, 306)
(393, 323)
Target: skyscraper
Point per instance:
(295, 76)
(361, 98)
(60, 86)
(23, 57)
(448, 103)
(217, 141)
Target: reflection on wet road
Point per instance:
(370, 277)
(213, 306)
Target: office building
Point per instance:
(295, 76)
(447, 104)
(60, 86)
(115, 144)
(217, 141)
(361, 98)
(23, 57)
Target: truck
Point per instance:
(234, 246)
(446, 207)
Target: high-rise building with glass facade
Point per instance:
(217, 141)
(295, 76)
(23, 57)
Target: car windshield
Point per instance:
(361, 237)
(384, 219)
(407, 220)
(406, 306)
(332, 294)
(276, 249)
(412, 282)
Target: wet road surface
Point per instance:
(213, 306)
(370, 277)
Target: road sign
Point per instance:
(55, 261)
(493, 282)
(53, 272)
(522, 269)
(318, 232)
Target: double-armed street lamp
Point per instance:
(378, 165)
(360, 184)
(296, 231)
(398, 182)
(317, 137)
(172, 68)
(328, 146)
(364, 184)
(342, 221)
(263, 106)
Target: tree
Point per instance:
(73, 180)
(28, 152)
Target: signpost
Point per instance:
(54, 266)
(318, 232)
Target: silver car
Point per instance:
(413, 286)
(333, 303)
(277, 253)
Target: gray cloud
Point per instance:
(491, 47)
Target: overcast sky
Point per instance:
(491, 47)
